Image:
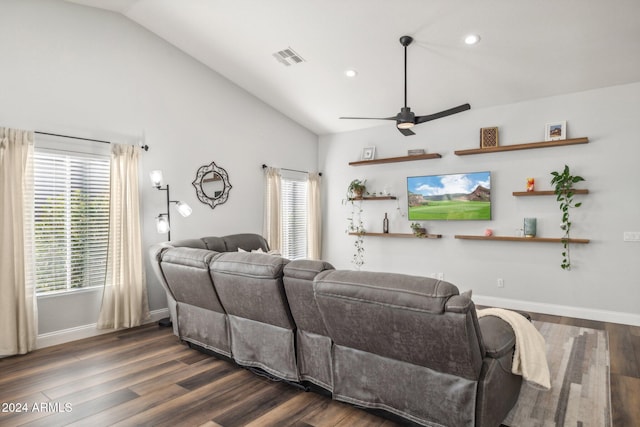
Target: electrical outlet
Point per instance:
(440, 276)
(631, 236)
(501, 283)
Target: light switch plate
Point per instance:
(631, 236)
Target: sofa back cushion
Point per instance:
(246, 241)
(250, 286)
(189, 243)
(230, 243)
(401, 317)
(298, 284)
(214, 243)
(186, 271)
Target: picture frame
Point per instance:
(555, 131)
(489, 137)
(368, 153)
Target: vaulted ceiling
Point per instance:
(528, 49)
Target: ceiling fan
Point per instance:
(406, 119)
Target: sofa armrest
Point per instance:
(497, 335)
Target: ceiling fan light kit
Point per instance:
(405, 125)
(406, 119)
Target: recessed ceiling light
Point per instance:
(351, 73)
(472, 39)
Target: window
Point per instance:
(71, 219)
(294, 214)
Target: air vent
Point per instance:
(288, 57)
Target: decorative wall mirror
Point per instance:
(212, 185)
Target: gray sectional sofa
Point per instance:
(410, 346)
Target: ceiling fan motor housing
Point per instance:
(405, 118)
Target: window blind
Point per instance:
(294, 215)
(71, 220)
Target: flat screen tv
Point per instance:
(457, 196)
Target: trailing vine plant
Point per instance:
(563, 189)
(355, 225)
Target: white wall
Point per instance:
(604, 281)
(87, 72)
(81, 71)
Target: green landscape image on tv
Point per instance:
(459, 196)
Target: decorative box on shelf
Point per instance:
(415, 152)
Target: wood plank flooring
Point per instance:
(145, 376)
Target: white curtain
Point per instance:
(124, 302)
(314, 222)
(271, 226)
(18, 313)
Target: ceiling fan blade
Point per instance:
(445, 113)
(406, 118)
(406, 132)
(369, 118)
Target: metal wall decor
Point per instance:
(212, 185)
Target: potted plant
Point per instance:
(356, 189)
(563, 189)
(418, 229)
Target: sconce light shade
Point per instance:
(184, 209)
(162, 224)
(156, 178)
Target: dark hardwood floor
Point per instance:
(145, 376)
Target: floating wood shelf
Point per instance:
(546, 192)
(396, 159)
(355, 199)
(405, 235)
(527, 146)
(520, 239)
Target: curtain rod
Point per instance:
(145, 147)
(292, 170)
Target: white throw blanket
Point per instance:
(529, 359)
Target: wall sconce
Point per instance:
(163, 220)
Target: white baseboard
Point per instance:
(560, 310)
(86, 331)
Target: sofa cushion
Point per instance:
(250, 286)
(250, 264)
(199, 258)
(423, 293)
(298, 284)
(401, 317)
(189, 243)
(314, 347)
(215, 243)
(187, 275)
(306, 269)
